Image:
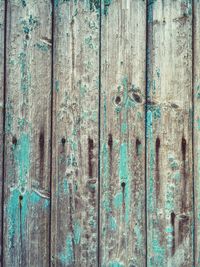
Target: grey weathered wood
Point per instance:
(75, 134)
(196, 125)
(27, 150)
(2, 40)
(169, 134)
(122, 200)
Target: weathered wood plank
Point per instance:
(123, 57)
(75, 134)
(169, 134)
(196, 125)
(27, 150)
(2, 42)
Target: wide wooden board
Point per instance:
(27, 133)
(122, 143)
(74, 226)
(169, 134)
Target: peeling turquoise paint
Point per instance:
(17, 213)
(25, 77)
(67, 257)
(123, 163)
(138, 234)
(77, 233)
(22, 158)
(151, 155)
(124, 177)
(106, 5)
(112, 223)
(115, 264)
(118, 200)
(42, 46)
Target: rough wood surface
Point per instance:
(196, 125)
(2, 42)
(169, 134)
(27, 153)
(74, 211)
(122, 153)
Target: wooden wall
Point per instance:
(100, 133)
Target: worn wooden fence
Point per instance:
(100, 133)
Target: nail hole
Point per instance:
(14, 140)
(117, 100)
(20, 198)
(137, 98)
(63, 140)
(123, 185)
(27, 37)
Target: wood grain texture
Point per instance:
(196, 125)
(74, 211)
(27, 150)
(2, 42)
(169, 134)
(122, 199)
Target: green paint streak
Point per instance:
(68, 256)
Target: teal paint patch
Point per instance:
(138, 234)
(28, 25)
(115, 264)
(22, 158)
(57, 86)
(124, 127)
(118, 200)
(25, 77)
(9, 117)
(42, 47)
(23, 3)
(151, 156)
(198, 92)
(123, 163)
(77, 233)
(124, 177)
(198, 124)
(106, 4)
(67, 257)
(18, 209)
(112, 223)
(89, 42)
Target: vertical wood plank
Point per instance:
(196, 124)
(169, 134)
(75, 134)
(27, 150)
(2, 42)
(123, 57)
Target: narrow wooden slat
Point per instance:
(123, 57)
(2, 45)
(27, 150)
(196, 124)
(75, 134)
(169, 134)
